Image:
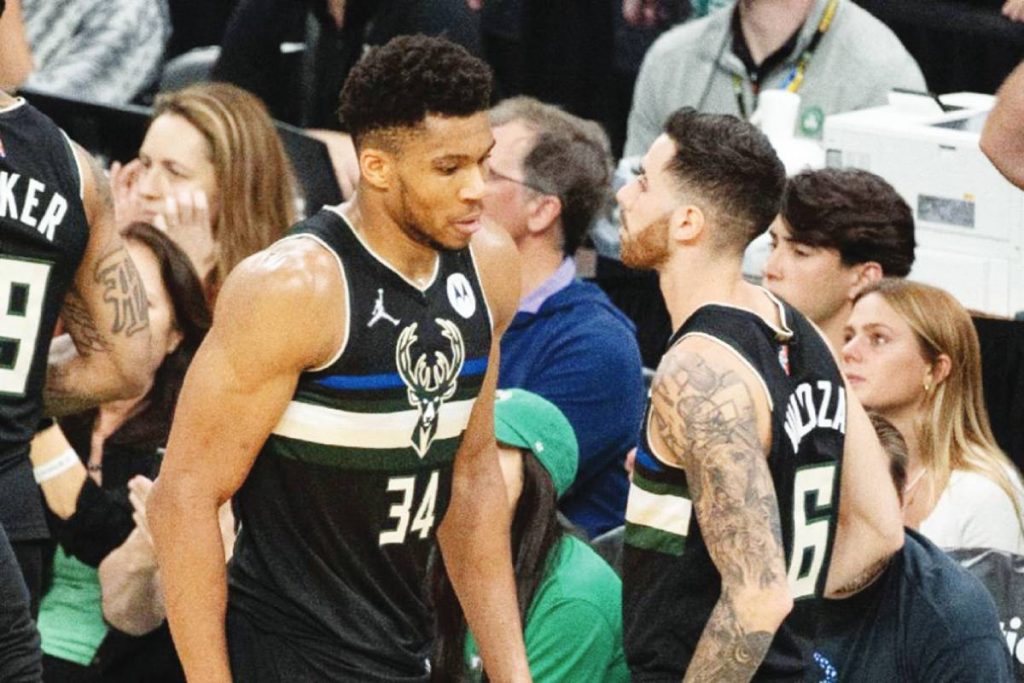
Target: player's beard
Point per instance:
(411, 225)
(648, 248)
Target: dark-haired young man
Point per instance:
(344, 396)
(743, 509)
(838, 231)
(549, 178)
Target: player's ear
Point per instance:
(686, 223)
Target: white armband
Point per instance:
(56, 467)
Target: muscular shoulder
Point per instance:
(290, 293)
(703, 397)
(497, 261)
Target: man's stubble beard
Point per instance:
(647, 249)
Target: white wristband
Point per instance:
(56, 467)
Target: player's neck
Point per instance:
(539, 261)
(6, 100)
(768, 24)
(688, 285)
(379, 231)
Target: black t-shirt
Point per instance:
(925, 619)
(43, 235)
(20, 657)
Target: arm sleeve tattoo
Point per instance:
(706, 419)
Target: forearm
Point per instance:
(60, 490)
(475, 545)
(190, 555)
(730, 648)
(132, 600)
(78, 381)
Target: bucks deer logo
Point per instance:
(429, 384)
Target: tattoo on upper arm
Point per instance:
(706, 417)
(81, 326)
(123, 291)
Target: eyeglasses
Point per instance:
(494, 175)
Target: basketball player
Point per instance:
(345, 398)
(60, 254)
(744, 508)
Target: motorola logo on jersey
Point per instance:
(460, 295)
(429, 385)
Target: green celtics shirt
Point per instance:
(339, 511)
(573, 630)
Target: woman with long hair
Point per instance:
(213, 174)
(912, 355)
(92, 464)
(570, 600)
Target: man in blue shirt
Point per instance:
(550, 176)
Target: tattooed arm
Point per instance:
(105, 354)
(707, 417)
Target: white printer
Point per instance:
(970, 220)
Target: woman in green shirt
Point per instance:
(570, 600)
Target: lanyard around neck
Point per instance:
(796, 75)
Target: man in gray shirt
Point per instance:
(832, 53)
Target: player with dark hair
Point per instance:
(345, 396)
(735, 526)
(838, 231)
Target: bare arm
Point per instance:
(61, 492)
(474, 537)
(1002, 140)
(15, 53)
(706, 416)
(105, 354)
(236, 389)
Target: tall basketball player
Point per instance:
(345, 398)
(60, 254)
(759, 484)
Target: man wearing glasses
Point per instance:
(549, 177)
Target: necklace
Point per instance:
(910, 487)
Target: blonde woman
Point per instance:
(912, 355)
(213, 174)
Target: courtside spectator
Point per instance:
(90, 512)
(213, 174)
(912, 355)
(832, 53)
(918, 617)
(838, 231)
(549, 178)
(570, 599)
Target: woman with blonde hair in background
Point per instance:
(912, 355)
(213, 174)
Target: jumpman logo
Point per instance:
(379, 313)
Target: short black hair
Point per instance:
(398, 84)
(3, 6)
(855, 212)
(729, 165)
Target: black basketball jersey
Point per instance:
(670, 584)
(43, 234)
(339, 511)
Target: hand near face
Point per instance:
(124, 187)
(186, 219)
